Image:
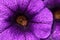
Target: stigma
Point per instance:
(21, 20)
(57, 14)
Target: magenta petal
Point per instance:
(12, 4)
(4, 14)
(35, 6)
(30, 36)
(44, 16)
(41, 30)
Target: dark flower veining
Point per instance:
(24, 20)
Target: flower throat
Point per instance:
(21, 20)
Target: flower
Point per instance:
(24, 20)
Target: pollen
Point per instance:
(57, 14)
(22, 20)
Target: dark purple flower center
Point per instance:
(20, 20)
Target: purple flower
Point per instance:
(24, 20)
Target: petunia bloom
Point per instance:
(24, 20)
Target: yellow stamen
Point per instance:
(22, 20)
(57, 14)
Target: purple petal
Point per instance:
(12, 4)
(41, 30)
(30, 36)
(35, 6)
(23, 4)
(4, 14)
(44, 16)
(7, 35)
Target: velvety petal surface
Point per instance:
(11, 34)
(44, 16)
(23, 4)
(30, 36)
(4, 14)
(12, 4)
(41, 30)
(35, 6)
(42, 23)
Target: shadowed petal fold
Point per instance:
(56, 33)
